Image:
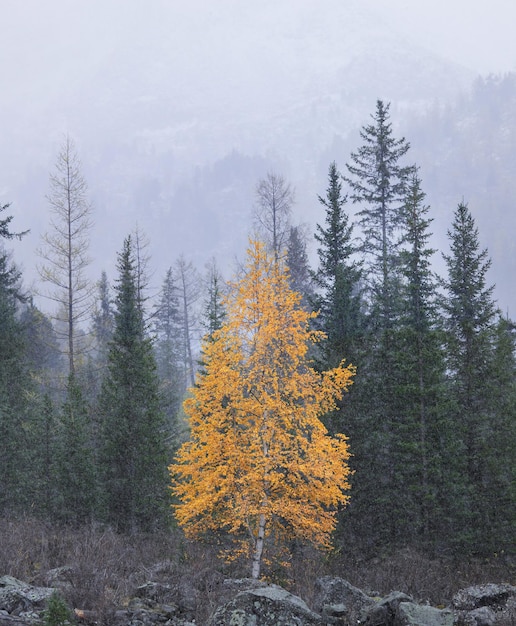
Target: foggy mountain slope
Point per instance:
(208, 69)
(467, 151)
(178, 109)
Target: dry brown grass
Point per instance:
(104, 568)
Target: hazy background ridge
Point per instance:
(179, 108)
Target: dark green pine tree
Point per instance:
(214, 312)
(420, 482)
(13, 381)
(470, 316)
(378, 178)
(168, 349)
(5, 233)
(15, 471)
(133, 453)
(102, 321)
(45, 497)
(378, 182)
(75, 462)
(43, 355)
(338, 278)
(101, 333)
(300, 277)
(500, 438)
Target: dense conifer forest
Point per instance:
(92, 383)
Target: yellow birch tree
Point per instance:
(259, 464)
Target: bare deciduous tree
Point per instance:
(189, 285)
(274, 200)
(65, 247)
(141, 243)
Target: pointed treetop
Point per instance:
(5, 233)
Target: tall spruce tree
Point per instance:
(102, 327)
(13, 387)
(214, 312)
(470, 316)
(500, 435)
(300, 277)
(133, 455)
(44, 455)
(75, 463)
(337, 280)
(101, 333)
(43, 356)
(378, 181)
(420, 488)
(377, 177)
(14, 383)
(168, 348)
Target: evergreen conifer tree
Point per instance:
(14, 383)
(420, 483)
(378, 182)
(44, 446)
(168, 349)
(378, 178)
(499, 498)
(214, 309)
(75, 463)
(13, 408)
(133, 454)
(338, 277)
(43, 356)
(102, 321)
(300, 277)
(470, 316)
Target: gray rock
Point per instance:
(154, 591)
(335, 610)
(231, 587)
(17, 597)
(12, 620)
(493, 595)
(384, 612)
(336, 597)
(60, 578)
(267, 606)
(145, 612)
(483, 616)
(411, 614)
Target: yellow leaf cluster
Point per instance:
(258, 449)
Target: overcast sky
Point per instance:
(199, 74)
(477, 33)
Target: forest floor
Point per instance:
(105, 568)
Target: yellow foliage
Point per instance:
(258, 449)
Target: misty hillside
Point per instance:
(178, 112)
(400, 390)
(467, 150)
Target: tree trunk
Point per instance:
(258, 551)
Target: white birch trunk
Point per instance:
(257, 557)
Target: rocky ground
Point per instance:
(245, 602)
(160, 579)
